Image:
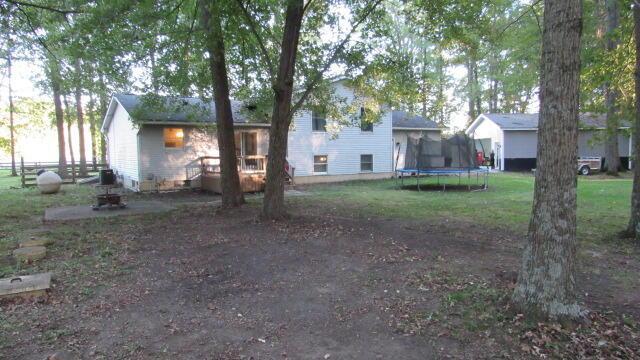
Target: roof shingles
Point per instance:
(530, 121)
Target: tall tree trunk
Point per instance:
(69, 122)
(546, 283)
(612, 155)
(230, 181)
(273, 204)
(54, 78)
(80, 116)
(470, 89)
(634, 222)
(103, 112)
(92, 130)
(11, 111)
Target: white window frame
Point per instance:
(326, 164)
(314, 117)
(361, 162)
(362, 112)
(164, 138)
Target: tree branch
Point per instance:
(255, 33)
(42, 7)
(35, 33)
(531, 8)
(338, 50)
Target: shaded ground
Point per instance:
(195, 283)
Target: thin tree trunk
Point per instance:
(470, 90)
(80, 116)
(12, 131)
(273, 204)
(92, 130)
(634, 222)
(54, 77)
(612, 155)
(546, 284)
(69, 122)
(232, 195)
(103, 113)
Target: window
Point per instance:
(173, 138)
(366, 162)
(320, 164)
(319, 121)
(365, 125)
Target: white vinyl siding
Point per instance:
(122, 147)
(343, 152)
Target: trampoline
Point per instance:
(481, 176)
(453, 157)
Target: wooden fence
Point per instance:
(70, 173)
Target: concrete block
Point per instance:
(25, 286)
(29, 254)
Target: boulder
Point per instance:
(49, 182)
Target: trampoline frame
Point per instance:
(400, 173)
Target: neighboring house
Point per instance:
(407, 126)
(513, 138)
(154, 151)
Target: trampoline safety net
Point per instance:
(459, 151)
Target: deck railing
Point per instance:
(207, 165)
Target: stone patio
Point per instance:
(80, 212)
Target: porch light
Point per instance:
(179, 133)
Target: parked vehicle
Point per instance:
(586, 165)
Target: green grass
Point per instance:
(21, 210)
(603, 204)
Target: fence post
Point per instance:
(22, 179)
(73, 171)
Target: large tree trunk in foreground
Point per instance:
(230, 181)
(54, 77)
(11, 111)
(634, 222)
(546, 284)
(612, 154)
(80, 115)
(273, 204)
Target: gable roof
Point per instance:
(530, 121)
(187, 110)
(405, 120)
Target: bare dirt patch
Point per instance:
(196, 283)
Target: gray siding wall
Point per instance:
(520, 144)
(170, 164)
(591, 143)
(523, 144)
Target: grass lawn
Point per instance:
(603, 204)
(431, 280)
